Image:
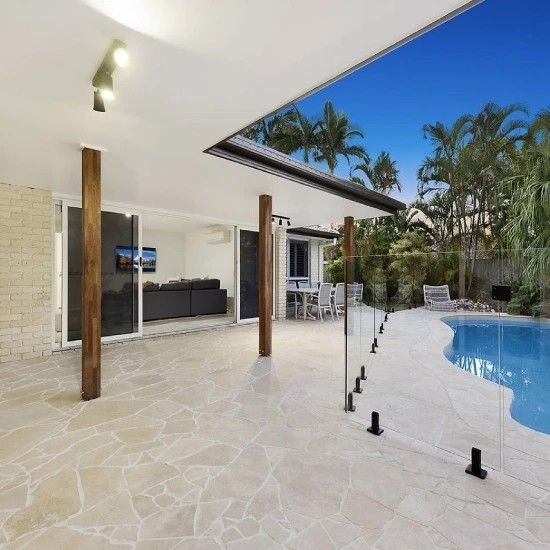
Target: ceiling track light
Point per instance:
(99, 104)
(116, 56)
(279, 219)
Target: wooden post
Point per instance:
(91, 274)
(348, 250)
(266, 275)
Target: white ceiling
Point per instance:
(200, 70)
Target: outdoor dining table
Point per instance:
(305, 292)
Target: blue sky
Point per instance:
(497, 51)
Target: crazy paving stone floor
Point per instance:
(198, 444)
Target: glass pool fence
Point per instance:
(454, 352)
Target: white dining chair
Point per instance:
(293, 298)
(322, 301)
(358, 294)
(339, 299)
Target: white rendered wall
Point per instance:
(170, 247)
(206, 256)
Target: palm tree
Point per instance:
(333, 138)
(495, 134)
(528, 227)
(447, 171)
(436, 216)
(383, 175)
(299, 133)
(269, 131)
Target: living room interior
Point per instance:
(188, 275)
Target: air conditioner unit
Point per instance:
(218, 234)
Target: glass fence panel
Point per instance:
(431, 377)
(525, 365)
(359, 327)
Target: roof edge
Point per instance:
(310, 232)
(248, 152)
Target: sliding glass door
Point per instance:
(248, 279)
(120, 275)
(248, 275)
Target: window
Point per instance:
(298, 265)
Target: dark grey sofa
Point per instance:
(183, 299)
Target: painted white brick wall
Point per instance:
(25, 272)
(314, 261)
(279, 279)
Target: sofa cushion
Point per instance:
(205, 284)
(179, 285)
(208, 302)
(151, 287)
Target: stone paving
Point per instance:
(198, 444)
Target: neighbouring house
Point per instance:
(305, 252)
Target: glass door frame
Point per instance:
(250, 320)
(105, 207)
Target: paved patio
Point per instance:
(198, 444)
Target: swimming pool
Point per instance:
(524, 364)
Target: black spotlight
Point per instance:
(99, 104)
(102, 81)
(280, 221)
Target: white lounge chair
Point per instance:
(437, 298)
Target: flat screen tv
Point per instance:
(128, 258)
(149, 261)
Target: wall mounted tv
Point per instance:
(128, 258)
(149, 259)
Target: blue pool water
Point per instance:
(524, 364)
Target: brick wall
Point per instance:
(25, 272)
(279, 279)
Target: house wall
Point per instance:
(314, 275)
(279, 282)
(25, 272)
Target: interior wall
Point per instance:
(210, 252)
(170, 247)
